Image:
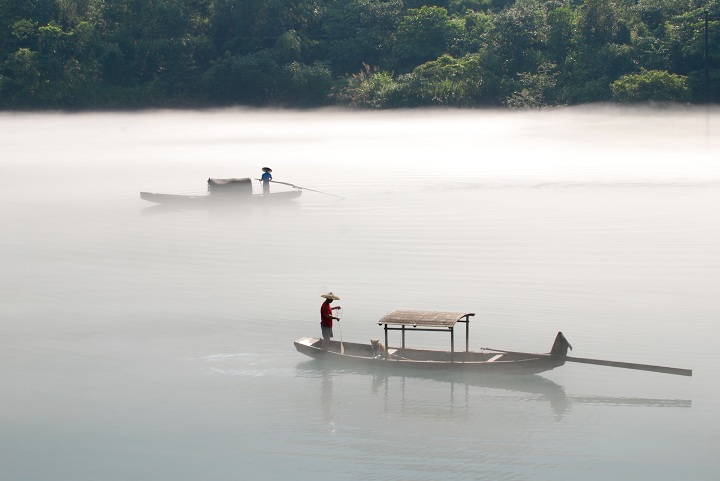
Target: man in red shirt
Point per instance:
(326, 318)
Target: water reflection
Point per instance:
(389, 381)
(632, 401)
(159, 209)
(540, 389)
(326, 396)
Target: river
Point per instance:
(139, 342)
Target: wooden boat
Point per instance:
(204, 201)
(406, 321)
(221, 192)
(488, 360)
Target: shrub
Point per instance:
(651, 85)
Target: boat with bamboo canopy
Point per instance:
(487, 360)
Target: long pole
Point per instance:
(601, 362)
(304, 188)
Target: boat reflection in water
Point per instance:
(460, 385)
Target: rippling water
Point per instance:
(145, 343)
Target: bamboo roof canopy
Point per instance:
(407, 320)
(424, 319)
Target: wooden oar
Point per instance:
(304, 188)
(601, 362)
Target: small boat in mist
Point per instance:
(488, 360)
(222, 192)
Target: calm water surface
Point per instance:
(145, 344)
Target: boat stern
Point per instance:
(310, 346)
(560, 346)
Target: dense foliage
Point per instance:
(97, 54)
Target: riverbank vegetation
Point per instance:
(374, 54)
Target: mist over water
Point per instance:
(145, 343)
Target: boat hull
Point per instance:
(491, 362)
(208, 201)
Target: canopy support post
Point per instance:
(467, 333)
(452, 344)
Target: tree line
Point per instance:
(372, 54)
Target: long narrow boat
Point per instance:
(490, 361)
(374, 354)
(221, 192)
(204, 201)
(487, 360)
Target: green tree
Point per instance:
(686, 45)
(519, 37)
(357, 32)
(22, 80)
(561, 21)
(37, 12)
(305, 85)
(447, 82)
(599, 23)
(602, 53)
(365, 89)
(248, 79)
(424, 34)
(651, 85)
(246, 26)
(476, 29)
(535, 89)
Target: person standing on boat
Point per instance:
(265, 179)
(326, 318)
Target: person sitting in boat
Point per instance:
(265, 179)
(326, 318)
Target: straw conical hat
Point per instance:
(266, 169)
(330, 295)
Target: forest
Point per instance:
(362, 54)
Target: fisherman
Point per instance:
(265, 179)
(326, 318)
